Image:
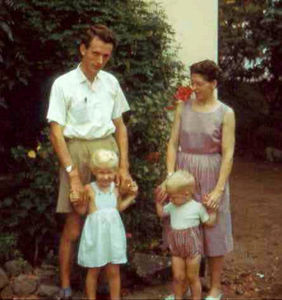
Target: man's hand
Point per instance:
(123, 180)
(133, 189)
(77, 192)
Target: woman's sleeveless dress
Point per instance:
(199, 153)
(103, 238)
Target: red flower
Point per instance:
(170, 107)
(153, 157)
(183, 93)
(129, 235)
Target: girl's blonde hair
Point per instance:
(179, 181)
(103, 158)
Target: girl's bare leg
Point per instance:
(178, 270)
(192, 272)
(113, 274)
(91, 282)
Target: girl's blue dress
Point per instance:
(103, 238)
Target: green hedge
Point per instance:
(40, 42)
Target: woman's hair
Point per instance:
(179, 181)
(104, 159)
(102, 32)
(207, 68)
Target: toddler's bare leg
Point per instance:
(178, 270)
(192, 272)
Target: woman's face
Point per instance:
(202, 88)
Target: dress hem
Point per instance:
(102, 265)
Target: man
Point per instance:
(85, 111)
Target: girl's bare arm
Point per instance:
(126, 200)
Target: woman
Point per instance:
(202, 142)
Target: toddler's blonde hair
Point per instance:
(103, 158)
(179, 181)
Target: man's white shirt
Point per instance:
(85, 109)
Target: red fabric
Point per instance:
(185, 243)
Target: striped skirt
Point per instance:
(185, 243)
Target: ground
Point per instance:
(254, 268)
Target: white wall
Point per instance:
(195, 23)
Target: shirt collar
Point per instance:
(81, 76)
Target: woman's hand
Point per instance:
(212, 200)
(160, 193)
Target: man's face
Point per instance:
(95, 57)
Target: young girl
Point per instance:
(184, 238)
(103, 240)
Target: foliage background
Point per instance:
(250, 55)
(39, 41)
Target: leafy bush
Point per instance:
(250, 55)
(145, 65)
(8, 247)
(30, 212)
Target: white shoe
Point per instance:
(186, 294)
(170, 297)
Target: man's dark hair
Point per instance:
(102, 32)
(207, 68)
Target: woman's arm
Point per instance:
(160, 192)
(174, 139)
(227, 147)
